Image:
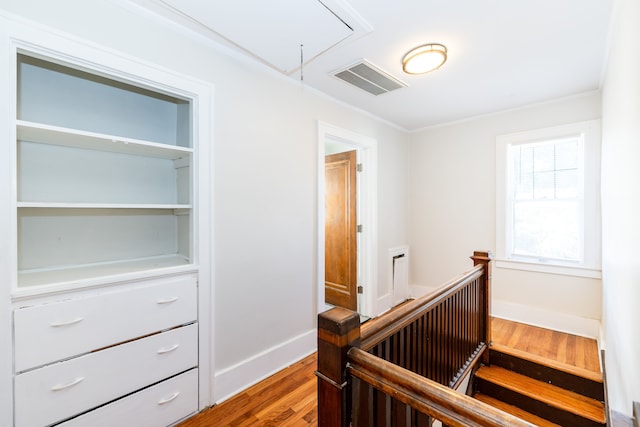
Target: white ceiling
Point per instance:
(502, 53)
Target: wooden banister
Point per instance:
(440, 336)
(428, 397)
(379, 329)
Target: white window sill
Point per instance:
(566, 270)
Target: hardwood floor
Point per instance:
(288, 398)
(564, 348)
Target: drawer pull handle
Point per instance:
(67, 323)
(168, 349)
(168, 300)
(169, 399)
(71, 384)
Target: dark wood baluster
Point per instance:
(422, 420)
(393, 345)
(443, 342)
(402, 349)
(380, 408)
(449, 335)
(474, 315)
(417, 344)
(434, 325)
(398, 416)
(411, 348)
(470, 319)
(422, 346)
(457, 335)
(445, 338)
(464, 315)
(360, 410)
(439, 356)
(421, 340)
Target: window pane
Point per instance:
(522, 160)
(567, 155)
(524, 187)
(567, 184)
(526, 158)
(544, 185)
(543, 158)
(547, 229)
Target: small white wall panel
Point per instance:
(399, 273)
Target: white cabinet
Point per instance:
(107, 216)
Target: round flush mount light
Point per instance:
(425, 58)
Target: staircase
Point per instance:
(541, 391)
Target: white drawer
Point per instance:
(61, 390)
(157, 406)
(57, 331)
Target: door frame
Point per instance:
(367, 155)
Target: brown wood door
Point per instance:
(340, 251)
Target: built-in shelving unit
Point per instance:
(104, 177)
(104, 216)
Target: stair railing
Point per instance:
(398, 369)
(413, 400)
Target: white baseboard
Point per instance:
(232, 380)
(416, 291)
(562, 322)
(383, 304)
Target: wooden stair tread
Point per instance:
(514, 410)
(540, 360)
(549, 394)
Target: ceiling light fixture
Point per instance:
(425, 58)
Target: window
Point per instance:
(547, 198)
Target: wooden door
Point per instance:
(340, 249)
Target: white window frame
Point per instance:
(590, 264)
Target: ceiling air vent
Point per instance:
(370, 78)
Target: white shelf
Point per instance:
(55, 135)
(57, 279)
(63, 205)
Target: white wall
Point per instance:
(621, 207)
(265, 201)
(453, 212)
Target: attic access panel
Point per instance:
(271, 30)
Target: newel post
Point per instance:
(485, 258)
(338, 331)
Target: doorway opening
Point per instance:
(331, 141)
